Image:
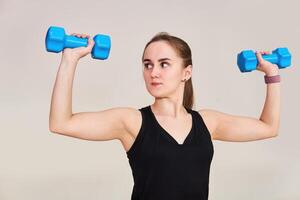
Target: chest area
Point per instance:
(176, 129)
(167, 157)
(161, 148)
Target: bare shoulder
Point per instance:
(132, 119)
(209, 117)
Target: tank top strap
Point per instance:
(141, 134)
(146, 114)
(200, 124)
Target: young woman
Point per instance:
(168, 144)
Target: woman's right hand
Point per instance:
(74, 54)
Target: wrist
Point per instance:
(272, 73)
(67, 62)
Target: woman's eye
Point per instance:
(146, 65)
(164, 63)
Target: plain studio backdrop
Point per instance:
(37, 164)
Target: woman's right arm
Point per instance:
(102, 125)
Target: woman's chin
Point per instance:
(157, 94)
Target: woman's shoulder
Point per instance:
(132, 118)
(209, 117)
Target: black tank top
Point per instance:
(164, 169)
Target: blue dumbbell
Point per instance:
(247, 60)
(56, 40)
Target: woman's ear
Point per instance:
(187, 72)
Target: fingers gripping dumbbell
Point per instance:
(56, 40)
(247, 60)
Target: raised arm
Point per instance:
(234, 128)
(102, 125)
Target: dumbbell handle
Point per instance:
(73, 41)
(272, 58)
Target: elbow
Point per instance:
(275, 133)
(54, 128)
(273, 130)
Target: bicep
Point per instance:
(103, 125)
(235, 128)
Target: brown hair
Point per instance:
(184, 51)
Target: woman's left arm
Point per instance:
(234, 128)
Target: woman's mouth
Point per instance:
(156, 84)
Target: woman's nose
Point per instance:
(155, 71)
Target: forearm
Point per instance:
(61, 101)
(271, 110)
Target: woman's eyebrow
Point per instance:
(160, 60)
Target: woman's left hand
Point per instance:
(265, 66)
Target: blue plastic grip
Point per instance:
(73, 42)
(273, 58)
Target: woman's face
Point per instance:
(162, 65)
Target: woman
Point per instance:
(169, 145)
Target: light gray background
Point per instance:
(37, 164)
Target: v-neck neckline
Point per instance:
(165, 132)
